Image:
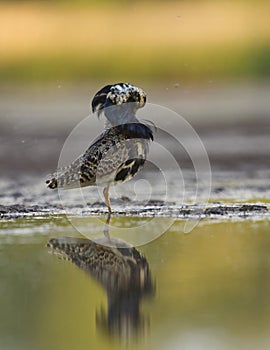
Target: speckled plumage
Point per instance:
(121, 270)
(120, 151)
(122, 261)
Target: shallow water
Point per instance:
(210, 290)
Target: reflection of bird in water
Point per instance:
(119, 152)
(122, 270)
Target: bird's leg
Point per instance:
(107, 199)
(108, 203)
(107, 226)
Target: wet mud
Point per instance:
(153, 209)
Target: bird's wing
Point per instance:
(82, 171)
(85, 169)
(102, 160)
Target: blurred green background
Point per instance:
(206, 60)
(83, 41)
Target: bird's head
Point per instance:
(120, 103)
(122, 95)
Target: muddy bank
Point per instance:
(151, 209)
(231, 194)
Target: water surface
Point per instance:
(210, 290)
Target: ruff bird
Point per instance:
(121, 270)
(120, 150)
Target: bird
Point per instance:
(119, 152)
(122, 271)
